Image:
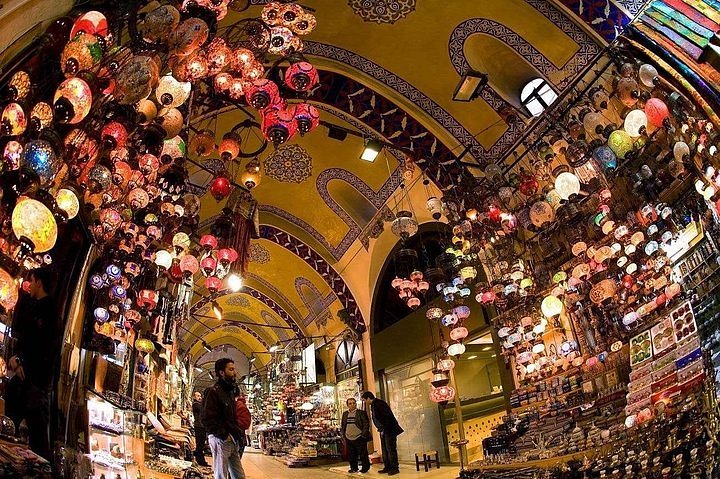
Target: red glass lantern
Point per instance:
(229, 147)
(307, 118)
(189, 265)
(301, 76)
(529, 185)
(442, 395)
(148, 164)
(147, 299)
(114, 135)
(138, 199)
(657, 112)
(208, 265)
(227, 256)
(213, 284)
(209, 242)
(278, 125)
(262, 94)
(92, 23)
(220, 188)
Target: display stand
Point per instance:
(115, 437)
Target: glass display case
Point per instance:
(115, 436)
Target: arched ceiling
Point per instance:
(324, 212)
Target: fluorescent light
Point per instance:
(235, 282)
(275, 348)
(470, 86)
(198, 369)
(473, 356)
(486, 339)
(372, 150)
(252, 359)
(207, 347)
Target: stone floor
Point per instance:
(259, 466)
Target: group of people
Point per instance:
(222, 417)
(355, 429)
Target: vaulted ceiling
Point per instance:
(387, 68)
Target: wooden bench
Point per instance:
(428, 458)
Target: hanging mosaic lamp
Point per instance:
(13, 121)
(301, 76)
(72, 101)
(621, 143)
(34, 225)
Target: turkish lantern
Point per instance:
(301, 76)
(220, 188)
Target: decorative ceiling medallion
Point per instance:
(382, 11)
(289, 164)
(258, 254)
(239, 301)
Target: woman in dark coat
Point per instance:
(355, 429)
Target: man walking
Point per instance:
(218, 417)
(389, 429)
(200, 434)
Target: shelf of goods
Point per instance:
(663, 426)
(115, 438)
(699, 270)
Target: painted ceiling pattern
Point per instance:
(258, 253)
(289, 164)
(382, 11)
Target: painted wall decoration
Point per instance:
(315, 302)
(382, 11)
(607, 17)
(258, 253)
(289, 163)
(317, 262)
(238, 301)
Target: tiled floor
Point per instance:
(258, 466)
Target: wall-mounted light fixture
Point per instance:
(372, 150)
(470, 86)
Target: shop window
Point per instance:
(537, 95)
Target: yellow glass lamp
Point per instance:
(34, 225)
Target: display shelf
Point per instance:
(112, 435)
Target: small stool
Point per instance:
(428, 458)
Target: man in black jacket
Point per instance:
(200, 434)
(389, 429)
(218, 416)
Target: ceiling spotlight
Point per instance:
(275, 348)
(235, 282)
(207, 347)
(217, 310)
(372, 150)
(337, 133)
(470, 86)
